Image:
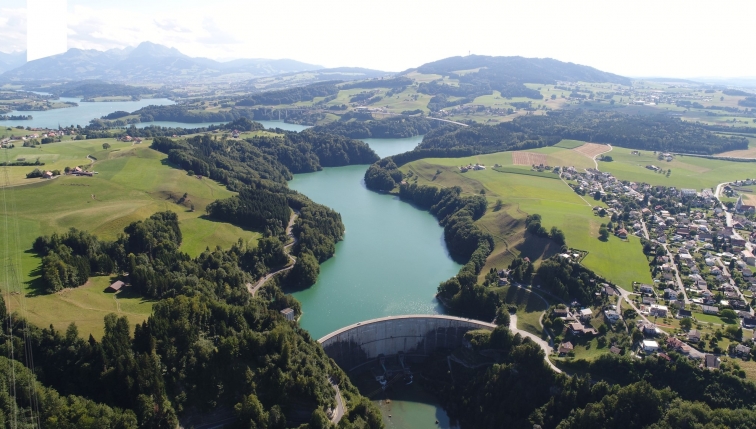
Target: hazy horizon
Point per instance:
(639, 39)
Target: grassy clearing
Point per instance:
(620, 261)
(132, 183)
(86, 306)
(530, 307)
(515, 170)
(710, 318)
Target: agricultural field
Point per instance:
(132, 182)
(620, 261)
(687, 171)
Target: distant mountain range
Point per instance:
(148, 62)
(12, 60)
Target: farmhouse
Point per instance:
(565, 348)
(694, 336)
(288, 313)
(116, 286)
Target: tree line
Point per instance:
(393, 127)
(466, 242)
(183, 113)
(291, 95)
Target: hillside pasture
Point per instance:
(687, 171)
(132, 183)
(620, 261)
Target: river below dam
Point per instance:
(390, 262)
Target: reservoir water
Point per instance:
(390, 262)
(81, 114)
(86, 111)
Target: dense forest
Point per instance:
(649, 132)
(291, 95)
(521, 391)
(181, 113)
(102, 128)
(391, 83)
(208, 345)
(569, 280)
(395, 127)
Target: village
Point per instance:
(700, 250)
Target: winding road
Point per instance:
(340, 410)
(254, 288)
(547, 350)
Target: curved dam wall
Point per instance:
(414, 335)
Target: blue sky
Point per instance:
(690, 38)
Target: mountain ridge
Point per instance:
(147, 62)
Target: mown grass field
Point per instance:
(687, 171)
(132, 183)
(620, 261)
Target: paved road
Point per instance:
(254, 288)
(678, 280)
(625, 295)
(594, 156)
(340, 410)
(538, 340)
(717, 194)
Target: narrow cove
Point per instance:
(390, 262)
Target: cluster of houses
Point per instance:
(466, 168)
(136, 140)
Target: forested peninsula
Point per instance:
(396, 127)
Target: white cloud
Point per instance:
(12, 29)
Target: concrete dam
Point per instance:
(413, 336)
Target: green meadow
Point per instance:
(523, 192)
(687, 171)
(132, 182)
(620, 261)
